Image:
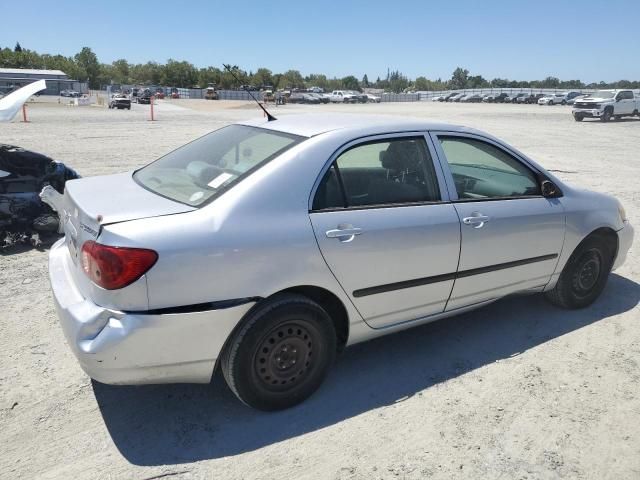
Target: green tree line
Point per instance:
(85, 66)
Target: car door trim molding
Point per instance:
(390, 287)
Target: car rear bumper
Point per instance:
(136, 348)
(625, 239)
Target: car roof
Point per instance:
(310, 125)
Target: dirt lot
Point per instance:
(517, 390)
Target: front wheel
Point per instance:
(282, 353)
(585, 274)
(606, 116)
(578, 118)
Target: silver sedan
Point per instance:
(266, 247)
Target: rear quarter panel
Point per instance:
(252, 241)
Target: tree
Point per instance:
(292, 79)
(179, 74)
(350, 83)
(459, 79)
(365, 81)
(263, 76)
(88, 62)
(120, 71)
(397, 82)
(17, 48)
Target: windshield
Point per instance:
(602, 94)
(196, 172)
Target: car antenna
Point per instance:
(230, 69)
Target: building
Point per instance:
(57, 80)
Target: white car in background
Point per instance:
(553, 99)
(373, 98)
(342, 96)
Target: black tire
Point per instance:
(551, 102)
(281, 354)
(564, 102)
(637, 113)
(578, 118)
(606, 116)
(585, 274)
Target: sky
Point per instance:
(589, 40)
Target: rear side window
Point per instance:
(398, 171)
(198, 171)
(481, 170)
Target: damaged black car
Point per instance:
(26, 179)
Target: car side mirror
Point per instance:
(549, 189)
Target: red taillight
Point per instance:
(115, 267)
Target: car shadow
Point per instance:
(172, 424)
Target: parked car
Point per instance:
(144, 97)
(449, 96)
(520, 98)
(472, 98)
(495, 97)
(456, 97)
(553, 99)
(342, 96)
(303, 97)
(360, 97)
(320, 96)
(607, 105)
(570, 97)
(534, 97)
(264, 248)
(438, 98)
(120, 101)
(373, 98)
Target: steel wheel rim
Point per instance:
(587, 273)
(284, 356)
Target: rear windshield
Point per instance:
(198, 171)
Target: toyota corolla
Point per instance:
(266, 247)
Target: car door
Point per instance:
(381, 216)
(625, 103)
(511, 236)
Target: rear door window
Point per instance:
(393, 171)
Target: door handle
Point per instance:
(345, 233)
(476, 219)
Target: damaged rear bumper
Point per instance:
(136, 348)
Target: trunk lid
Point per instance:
(92, 202)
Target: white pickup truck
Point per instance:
(606, 105)
(342, 96)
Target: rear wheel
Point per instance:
(585, 274)
(282, 353)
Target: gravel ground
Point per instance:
(517, 390)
